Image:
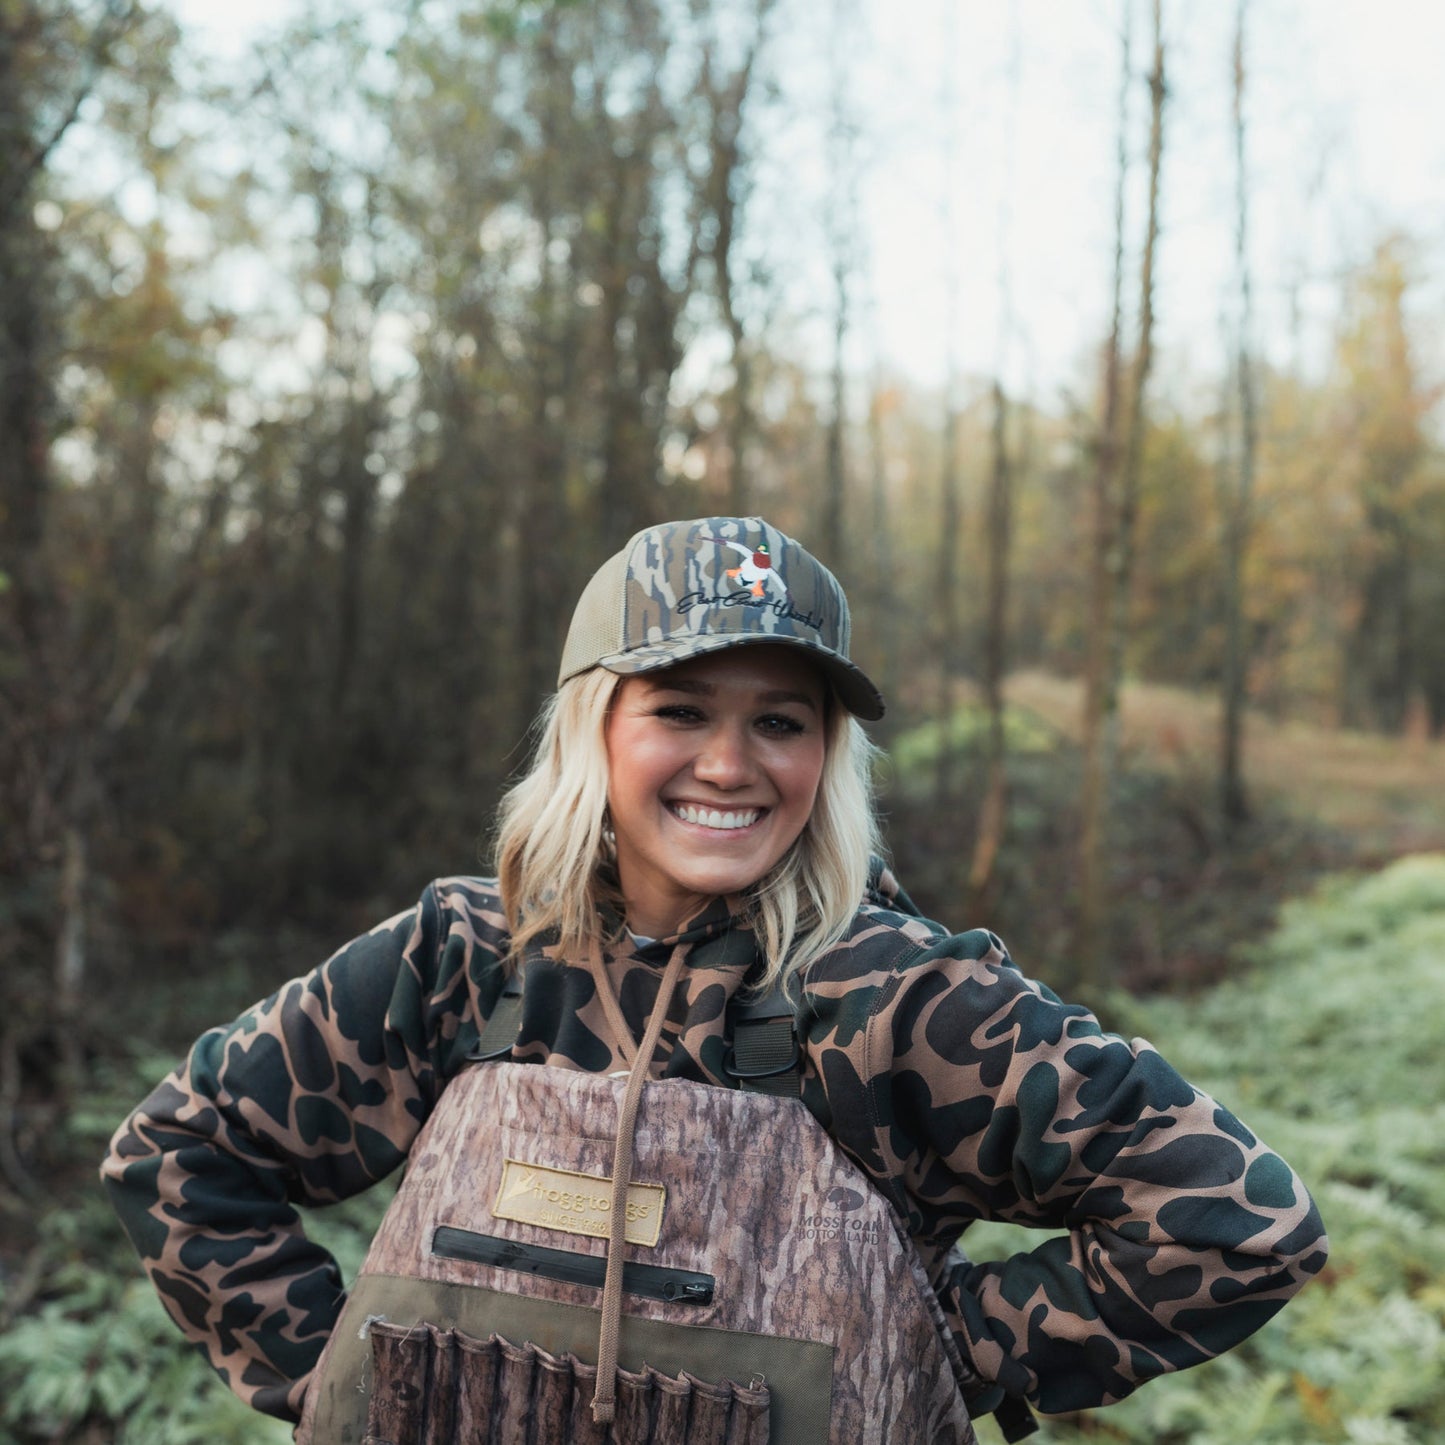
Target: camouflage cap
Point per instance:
(682, 589)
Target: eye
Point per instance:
(780, 725)
(678, 712)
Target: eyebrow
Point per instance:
(695, 687)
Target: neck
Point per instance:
(657, 923)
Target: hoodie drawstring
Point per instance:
(604, 1401)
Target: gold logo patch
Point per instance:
(576, 1203)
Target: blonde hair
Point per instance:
(554, 858)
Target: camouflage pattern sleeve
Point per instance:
(312, 1095)
(988, 1098)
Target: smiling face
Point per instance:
(713, 766)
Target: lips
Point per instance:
(715, 817)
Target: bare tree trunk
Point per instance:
(24, 392)
(70, 944)
(830, 543)
(1114, 564)
(538, 515)
(998, 533)
(950, 522)
(842, 230)
(18, 1187)
(39, 100)
(639, 305)
(741, 425)
(1095, 780)
(358, 490)
(950, 529)
(1238, 499)
(882, 601)
(724, 195)
(617, 511)
(992, 815)
(1122, 556)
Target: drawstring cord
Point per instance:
(607, 997)
(604, 1400)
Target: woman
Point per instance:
(696, 834)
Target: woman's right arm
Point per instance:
(309, 1097)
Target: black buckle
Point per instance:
(730, 1060)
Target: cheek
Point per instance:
(638, 761)
(804, 777)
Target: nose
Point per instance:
(725, 759)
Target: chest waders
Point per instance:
(766, 1295)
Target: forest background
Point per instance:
(333, 359)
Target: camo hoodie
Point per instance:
(964, 1090)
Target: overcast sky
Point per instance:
(1346, 141)
(1008, 107)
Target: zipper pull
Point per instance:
(692, 1291)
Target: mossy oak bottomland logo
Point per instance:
(576, 1203)
(839, 1219)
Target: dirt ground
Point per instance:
(1388, 793)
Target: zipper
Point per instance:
(677, 1286)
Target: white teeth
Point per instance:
(711, 818)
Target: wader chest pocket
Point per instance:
(649, 1280)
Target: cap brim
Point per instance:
(851, 684)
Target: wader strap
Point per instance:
(604, 1402)
(500, 1031)
(764, 1056)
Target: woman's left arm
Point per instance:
(991, 1099)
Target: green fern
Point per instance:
(1329, 1047)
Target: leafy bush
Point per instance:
(105, 1354)
(100, 1351)
(914, 754)
(98, 1358)
(1330, 1050)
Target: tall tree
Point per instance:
(998, 534)
(842, 228)
(881, 584)
(1115, 564)
(1238, 490)
(50, 57)
(91, 598)
(724, 196)
(1121, 556)
(950, 484)
(602, 164)
(1103, 510)
(998, 540)
(1381, 428)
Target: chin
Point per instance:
(720, 884)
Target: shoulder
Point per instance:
(888, 958)
(881, 937)
(899, 978)
(472, 904)
(457, 926)
(888, 924)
